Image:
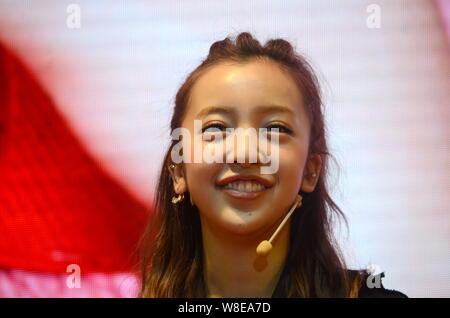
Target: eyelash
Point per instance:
(281, 128)
(220, 126)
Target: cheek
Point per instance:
(292, 163)
(200, 181)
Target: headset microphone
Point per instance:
(265, 246)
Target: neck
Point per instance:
(233, 269)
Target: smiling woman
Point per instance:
(206, 246)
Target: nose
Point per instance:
(245, 149)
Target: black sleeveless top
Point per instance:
(371, 287)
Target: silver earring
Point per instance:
(177, 199)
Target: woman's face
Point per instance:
(256, 94)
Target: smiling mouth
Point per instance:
(244, 189)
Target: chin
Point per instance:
(242, 222)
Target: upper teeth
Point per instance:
(245, 186)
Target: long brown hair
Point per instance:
(172, 249)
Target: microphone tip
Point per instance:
(264, 248)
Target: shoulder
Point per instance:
(371, 286)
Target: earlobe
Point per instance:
(180, 186)
(311, 174)
(309, 182)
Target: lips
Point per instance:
(244, 186)
(253, 178)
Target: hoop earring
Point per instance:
(177, 199)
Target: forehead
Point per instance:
(245, 85)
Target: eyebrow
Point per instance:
(263, 109)
(215, 110)
(275, 109)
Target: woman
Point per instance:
(210, 217)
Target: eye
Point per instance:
(281, 128)
(213, 128)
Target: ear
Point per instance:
(178, 178)
(311, 173)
